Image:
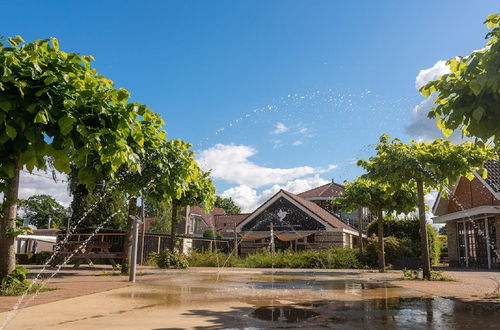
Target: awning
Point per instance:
(282, 236)
(467, 214)
(49, 239)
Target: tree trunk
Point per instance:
(426, 261)
(8, 222)
(173, 227)
(360, 228)
(381, 252)
(127, 244)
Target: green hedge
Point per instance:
(407, 232)
(38, 258)
(335, 258)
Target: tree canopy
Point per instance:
(438, 163)
(37, 209)
(227, 204)
(54, 107)
(424, 166)
(470, 94)
(376, 196)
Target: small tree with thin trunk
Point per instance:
(378, 197)
(425, 166)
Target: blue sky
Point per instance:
(289, 92)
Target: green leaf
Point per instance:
(41, 117)
(66, 124)
(8, 168)
(441, 123)
(475, 87)
(478, 113)
(55, 43)
(5, 105)
(62, 164)
(50, 80)
(11, 131)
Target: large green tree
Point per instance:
(469, 96)
(425, 166)
(54, 104)
(227, 204)
(378, 197)
(38, 209)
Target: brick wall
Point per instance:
(470, 194)
(451, 232)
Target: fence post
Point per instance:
(133, 256)
(159, 241)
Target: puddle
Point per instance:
(283, 314)
(298, 284)
(415, 313)
(242, 300)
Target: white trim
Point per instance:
(490, 188)
(48, 239)
(274, 199)
(485, 209)
(438, 199)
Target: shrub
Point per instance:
(169, 259)
(393, 249)
(38, 258)
(407, 230)
(16, 283)
(212, 233)
(332, 258)
(152, 259)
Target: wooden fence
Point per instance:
(153, 242)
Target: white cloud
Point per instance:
(231, 164)
(327, 169)
(41, 183)
(280, 128)
(249, 199)
(437, 70)
(422, 127)
(297, 143)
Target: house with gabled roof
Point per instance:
(295, 223)
(300, 221)
(471, 213)
(323, 196)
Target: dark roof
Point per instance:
(221, 219)
(319, 211)
(493, 168)
(207, 217)
(329, 190)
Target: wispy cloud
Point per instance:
(280, 128)
(297, 143)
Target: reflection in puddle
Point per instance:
(383, 313)
(283, 314)
(242, 300)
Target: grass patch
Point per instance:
(19, 290)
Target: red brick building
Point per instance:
(472, 216)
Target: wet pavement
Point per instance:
(262, 299)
